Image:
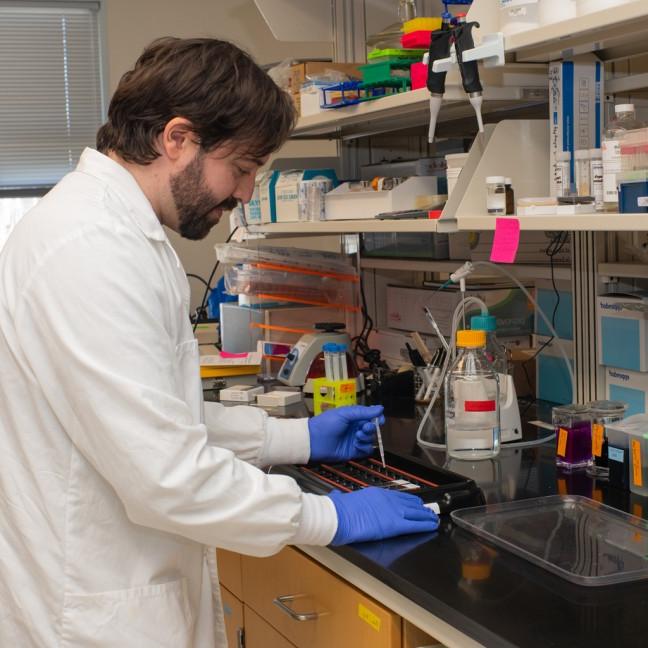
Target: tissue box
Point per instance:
(287, 191)
(623, 331)
(630, 387)
(267, 202)
(552, 377)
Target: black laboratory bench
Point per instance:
(466, 592)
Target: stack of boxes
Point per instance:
(623, 348)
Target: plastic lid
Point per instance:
(483, 323)
(621, 108)
(329, 347)
(582, 154)
(495, 180)
(563, 156)
(608, 407)
(596, 154)
(471, 339)
(574, 408)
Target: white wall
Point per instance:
(132, 24)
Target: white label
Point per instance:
(611, 166)
(496, 203)
(642, 202)
(597, 183)
(509, 4)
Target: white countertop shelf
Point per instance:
(631, 270)
(354, 226)
(612, 32)
(409, 109)
(599, 222)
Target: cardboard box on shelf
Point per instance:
(508, 304)
(299, 72)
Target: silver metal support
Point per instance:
(349, 31)
(587, 372)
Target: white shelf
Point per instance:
(355, 226)
(614, 32)
(581, 223)
(409, 109)
(631, 270)
(531, 271)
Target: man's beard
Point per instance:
(195, 202)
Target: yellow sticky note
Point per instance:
(636, 463)
(597, 439)
(562, 442)
(369, 617)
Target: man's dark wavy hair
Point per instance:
(225, 95)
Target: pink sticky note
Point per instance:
(225, 354)
(506, 241)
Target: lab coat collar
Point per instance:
(119, 180)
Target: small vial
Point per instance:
(562, 173)
(496, 195)
(583, 172)
(344, 372)
(510, 197)
(328, 349)
(596, 177)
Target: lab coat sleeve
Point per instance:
(94, 318)
(263, 440)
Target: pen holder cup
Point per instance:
(328, 394)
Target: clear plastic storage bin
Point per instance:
(572, 536)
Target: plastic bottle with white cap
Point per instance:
(625, 120)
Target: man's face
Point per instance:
(212, 183)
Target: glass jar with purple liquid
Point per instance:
(573, 427)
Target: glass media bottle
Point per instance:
(472, 420)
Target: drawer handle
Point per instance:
(281, 601)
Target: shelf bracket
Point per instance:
(490, 51)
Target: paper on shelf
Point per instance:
(231, 360)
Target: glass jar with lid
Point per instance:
(603, 412)
(573, 427)
(496, 195)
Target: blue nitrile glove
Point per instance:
(344, 433)
(375, 513)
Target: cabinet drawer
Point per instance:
(259, 634)
(229, 571)
(415, 638)
(331, 612)
(233, 613)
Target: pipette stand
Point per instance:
(328, 394)
(490, 51)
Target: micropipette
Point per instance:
(381, 449)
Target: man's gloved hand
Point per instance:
(374, 513)
(343, 433)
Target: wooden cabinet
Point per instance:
(313, 608)
(415, 638)
(229, 571)
(233, 613)
(259, 634)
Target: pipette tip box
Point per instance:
(241, 393)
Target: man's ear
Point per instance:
(177, 139)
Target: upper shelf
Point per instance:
(354, 227)
(600, 222)
(409, 109)
(611, 33)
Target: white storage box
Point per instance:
(240, 393)
(279, 398)
(630, 387)
(623, 330)
(509, 305)
(344, 204)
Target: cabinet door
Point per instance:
(259, 634)
(415, 638)
(229, 571)
(233, 613)
(314, 608)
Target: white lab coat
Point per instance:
(113, 478)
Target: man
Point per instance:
(115, 477)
